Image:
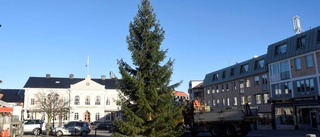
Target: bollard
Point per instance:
(311, 135)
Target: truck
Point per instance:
(228, 122)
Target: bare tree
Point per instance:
(52, 105)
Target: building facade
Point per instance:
(294, 71)
(195, 89)
(232, 87)
(92, 100)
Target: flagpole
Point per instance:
(88, 67)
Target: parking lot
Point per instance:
(93, 133)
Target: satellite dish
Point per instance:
(296, 24)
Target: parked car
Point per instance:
(34, 126)
(106, 126)
(73, 128)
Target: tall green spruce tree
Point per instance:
(146, 94)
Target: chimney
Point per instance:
(71, 76)
(47, 75)
(103, 77)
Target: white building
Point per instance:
(92, 100)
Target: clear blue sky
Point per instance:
(55, 37)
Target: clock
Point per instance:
(87, 83)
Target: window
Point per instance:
(227, 87)
(249, 100)
(256, 81)
(65, 99)
(65, 116)
(213, 90)
(247, 83)
(298, 63)
(287, 88)
(277, 89)
(241, 84)
(259, 64)
(213, 103)
(76, 100)
(235, 101)
(108, 116)
(301, 42)
(215, 77)
(234, 86)
(98, 99)
(76, 116)
(222, 88)
(223, 102)
(224, 74)
(244, 68)
(97, 116)
(284, 70)
(281, 69)
(258, 99)
(218, 102)
(232, 72)
(264, 79)
(208, 91)
(265, 98)
(305, 85)
(228, 101)
(309, 62)
(32, 101)
(243, 100)
(281, 49)
(87, 102)
(217, 89)
(107, 101)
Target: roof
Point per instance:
(180, 93)
(12, 95)
(55, 82)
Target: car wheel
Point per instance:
(59, 133)
(36, 131)
(84, 133)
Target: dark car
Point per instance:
(105, 126)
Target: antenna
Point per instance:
(296, 24)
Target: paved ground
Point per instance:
(274, 133)
(253, 133)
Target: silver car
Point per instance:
(73, 128)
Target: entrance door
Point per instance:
(313, 119)
(87, 116)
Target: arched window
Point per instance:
(107, 101)
(87, 100)
(77, 100)
(97, 100)
(97, 116)
(76, 116)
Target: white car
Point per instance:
(73, 128)
(35, 126)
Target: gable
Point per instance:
(87, 84)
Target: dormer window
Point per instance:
(301, 42)
(259, 64)
(215, 77)
(280, 49)
(232, 72)
(244, 68)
